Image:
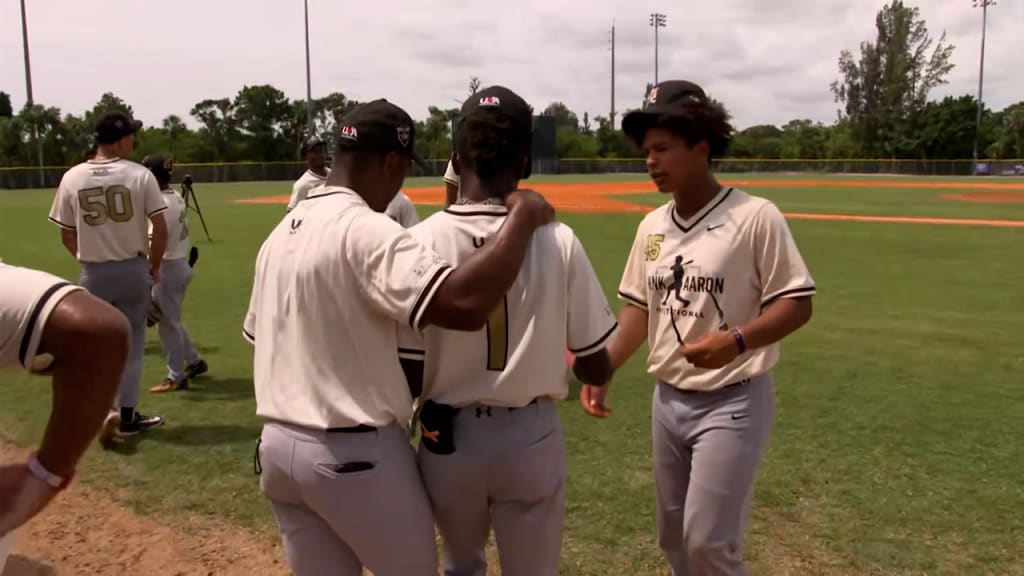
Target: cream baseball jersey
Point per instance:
(711, 272)
(177, 226)
(301, 188)
(27, 297)
(108, 203)
(555, 303)
(401, 210)
(331, 280)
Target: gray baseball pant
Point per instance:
(125, 285)
(707, 447)
(508, 471)
(335, 522)
(175, 276)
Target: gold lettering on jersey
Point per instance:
(652, 246)
(102, 204)
(497, 337)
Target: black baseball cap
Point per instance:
(161, 166)
(113, 126)
(378, 126)
(310, 143)
(498, 102)
(664, 98)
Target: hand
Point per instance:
(155, 273)
(713, 350)
(22, 496)
(535, 205)
(592, 398)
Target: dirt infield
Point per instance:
(85, 532)
(599, 198)
(987, 197)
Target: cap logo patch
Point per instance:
(490, 101)
(403, 135)
(652, 97)
(349, 133)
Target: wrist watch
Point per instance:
(41, 473)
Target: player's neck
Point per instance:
(477, 191)
(694, 198)
(104, 153)
(321, 171)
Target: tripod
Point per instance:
(186, 192)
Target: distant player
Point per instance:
(314, 151)
(330, 282)
(102, 207)
(402, 210)
(48, 325)
(491, 451)
(183, 360)
(744, 288)
(451, 183)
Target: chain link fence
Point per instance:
(49, 177)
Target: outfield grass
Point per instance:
(896, 449)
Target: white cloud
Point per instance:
(769, 61)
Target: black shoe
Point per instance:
(196, 368)
(140, 423)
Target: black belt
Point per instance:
(360, 429)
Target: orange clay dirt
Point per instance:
(599, 197)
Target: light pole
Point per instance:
(28, 93)
(309, 89)
(657, 21)
(983, 4)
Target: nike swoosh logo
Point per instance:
(738, 416)
(710, 228)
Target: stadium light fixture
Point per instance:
(983, 4)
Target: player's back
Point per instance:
(555, 303)
(108, 203)
(178, 242)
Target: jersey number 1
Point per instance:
(102, 204)
(497, 337)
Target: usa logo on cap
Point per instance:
(349, 132)
(490, 101)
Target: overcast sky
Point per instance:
(768, 60)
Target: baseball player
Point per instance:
(102, 207)
(183, 360)
(330, 282)
(402, 210)
(315, 152)
(50, 326)
(451, 183)
(491, 451)
(713, 282)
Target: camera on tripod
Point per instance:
(190, 196)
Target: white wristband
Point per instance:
(36, 469)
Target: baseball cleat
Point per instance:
(109, 430)
(169, 385)
(140, 423)
(196, 368)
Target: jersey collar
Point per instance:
(323, 191)
(687, 225)
(103, 160)
(477, 210)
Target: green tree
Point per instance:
(262, 113)
(564, 118)
(1008, 132)
(108, 102)
(220, 130)
(947, 128)
(884, 92)
(760, 141)
(804, 139)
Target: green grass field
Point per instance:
(896, 448)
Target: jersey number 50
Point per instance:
(497, 337)
(102, 204)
